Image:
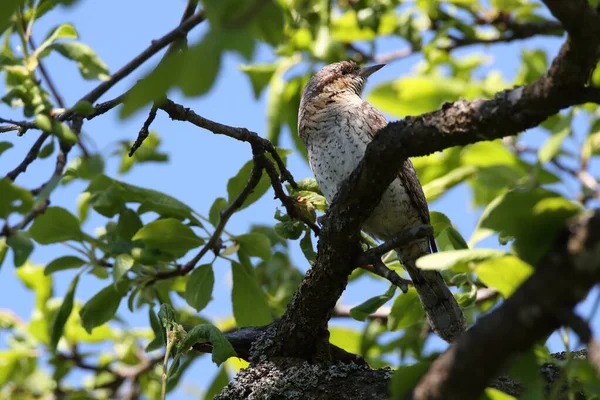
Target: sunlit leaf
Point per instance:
(504, 274)
(255, 244)
(55, 225)
(533, 217)
(90, 65)
(63, 263)
(456, 258)
(169, 235)
(406, 311)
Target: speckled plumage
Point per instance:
(336, 125)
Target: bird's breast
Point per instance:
(336, 140)
(335, 145)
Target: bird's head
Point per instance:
(344, 77)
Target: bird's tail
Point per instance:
(442, 311)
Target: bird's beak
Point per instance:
(368, 71)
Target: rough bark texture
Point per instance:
(302, 380)
(533, 311)
(302, 330)
(291, 380)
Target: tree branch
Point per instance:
(559, 282)
(304, 324)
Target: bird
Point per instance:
(336, 125)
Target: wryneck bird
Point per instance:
(336, 125)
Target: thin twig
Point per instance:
(29, 158)
(174, 46)
(132, 65)
(254, 179)
(144, 132)
(402, 238)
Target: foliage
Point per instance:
(522, 188)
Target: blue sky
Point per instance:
(200, 162)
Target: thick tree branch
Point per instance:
(304, 324)
(560, 281)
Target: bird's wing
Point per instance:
(408, 175)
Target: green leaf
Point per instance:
(90, 65)
(62, 315)
(466, 299)
(532, 216)
(415, 95)
(362, 311)
(406, 311)
(456, 259)
(275, 98)
(47, 150)
(495, 394)
(13, 199)
(63, 263)
(259, 75)
(33, 278)
(9, 7)
(86, 168)
(43, 122)
(236, 184)
(221, 348)
(289, 229)
(268, 23)
(220, 380)
(64, 31)
(63, 132)
(102, 306)
(5, 146)
(439, 186)
(504, 274)
(83, 107)
(122, 264)
(129, 223)
(159, 333)
(214, 215)
(148, 152)
(406, 377)
(552, 147)
(181, 68)
(345, 338)
(309, 185)
(199, 287)
(439, 221)
(3, 250)
(109, 196)
(533, 66)
(166, 316)
(255, 244)
(169, 235)
(21, 246)
(55, 225)
(249, 304)
(307, 247)
(451, 239)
